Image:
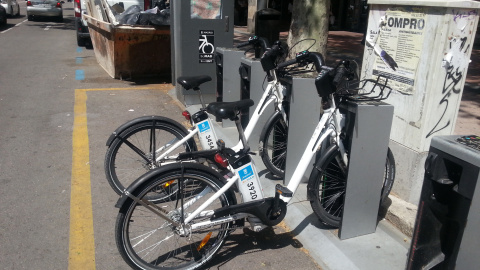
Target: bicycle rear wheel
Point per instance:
(327, 185)
(147, 241)
(273, 145)
(131, 154)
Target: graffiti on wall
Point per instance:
(455, 63)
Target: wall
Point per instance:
(426, 52)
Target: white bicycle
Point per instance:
(178, 216)
(148, 142)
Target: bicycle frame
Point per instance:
(273, 93)
(322, 131)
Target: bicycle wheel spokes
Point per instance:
(332, 190)
(133, 152)
(274, 151)
(279, 145)
(151, 241)
(328, 183)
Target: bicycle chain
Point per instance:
(233, 228)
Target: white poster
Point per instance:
(400, 44)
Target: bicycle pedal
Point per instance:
(284, 191)
(255, 224)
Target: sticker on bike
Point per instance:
(204, 127)
(246, 173)
(206, 47)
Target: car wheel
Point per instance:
(30, 17)
(80, 41)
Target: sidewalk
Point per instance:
(387, 248)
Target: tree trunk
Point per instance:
(309, 21)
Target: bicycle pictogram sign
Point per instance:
(206, 46)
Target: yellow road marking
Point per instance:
(162, 87)
(82, 244)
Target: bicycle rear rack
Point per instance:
(378, 91)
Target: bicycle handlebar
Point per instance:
(256, 41)
(340, 72)
(287, 63)
(305, 56)
(270, 56)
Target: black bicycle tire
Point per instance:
(123, 224)
(389, 169)
(276, 168)
(111, 155)
(327, 165)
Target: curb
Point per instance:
(401, 214)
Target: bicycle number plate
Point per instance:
(248, 184)
(207, 136)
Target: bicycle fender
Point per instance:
(144, 179)
(142, 119)
(318, 166)
(264, 130)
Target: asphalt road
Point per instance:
(47, 86)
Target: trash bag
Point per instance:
(135, 16)
(130, 15)
(153, 19)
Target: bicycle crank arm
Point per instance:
(210, 223)
(152, 207)
(261, 209)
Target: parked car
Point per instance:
(3, 16)
(45, 8)
(12, 7)
(83, 36)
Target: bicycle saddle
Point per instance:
(189, 82)
(228, 110)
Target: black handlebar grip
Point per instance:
(317, 60)
(339, 75)
(263, 43)
(243, 44)
(269, 58)
(287, 63)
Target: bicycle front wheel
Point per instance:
(132, 153)
(147, 241)
(273, 145)
(327, 185)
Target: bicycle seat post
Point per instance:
(246, 147)
(200, 96)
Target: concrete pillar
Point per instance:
(305, 109)
(426, 47)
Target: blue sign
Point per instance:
(246, 173)
(205, 126)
